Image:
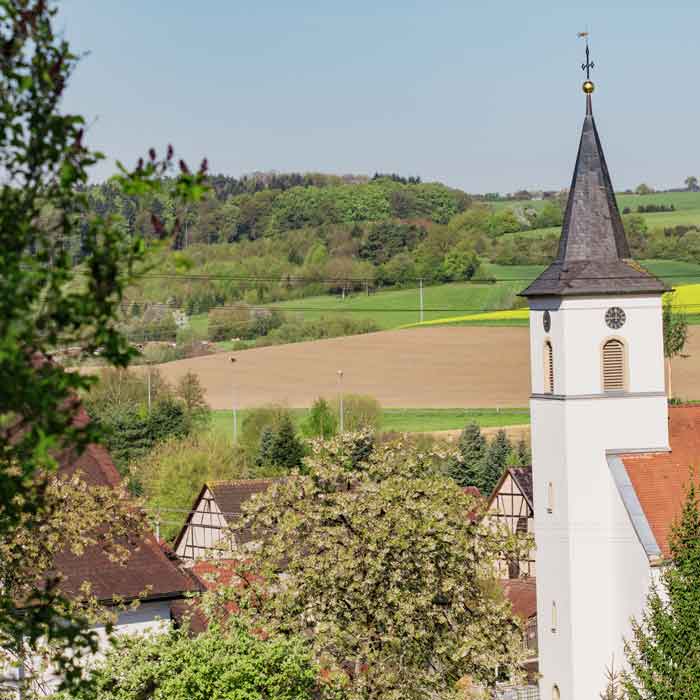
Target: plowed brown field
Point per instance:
(462, 367)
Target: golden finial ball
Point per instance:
(588, 87)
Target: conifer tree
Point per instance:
(472, 447)
(664, 652)
(495, 461)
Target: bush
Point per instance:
(254, 425)
(242, 321)
(218, 664)
(360, 413)
(172, 474)
(324, 327)
(320, 420)
(132, 432)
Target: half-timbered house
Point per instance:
(511, 503)
(205, 534)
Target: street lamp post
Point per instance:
(235, 415)
(340, 387)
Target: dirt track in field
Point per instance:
(462, 367)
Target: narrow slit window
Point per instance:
(548, 368)
(550, 497)
(554, 616)
(614, 366)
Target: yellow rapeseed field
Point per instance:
(686, 299)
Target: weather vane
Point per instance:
(588, 85)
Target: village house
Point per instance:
(150, 575)
(205, 533)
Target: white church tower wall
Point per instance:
(597, 371)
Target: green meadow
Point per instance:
(405, 420)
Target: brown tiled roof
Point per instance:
(523, 478)
(522, 593)
(231, 495)
(659, 479)
(148, 566)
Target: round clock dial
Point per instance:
(547, 321)
(615, 317)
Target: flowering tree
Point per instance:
(388, 567)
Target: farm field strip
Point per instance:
(406, 420)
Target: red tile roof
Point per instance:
(522, 593)
(660, 478)
(148, 566)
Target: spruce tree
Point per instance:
(664, 652)
(472, 447)
(495, 461)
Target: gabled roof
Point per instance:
(653, 484)
(522, 476)
(148, 566)
(229, 497)
(593, 256)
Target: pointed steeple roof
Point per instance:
(593, 256)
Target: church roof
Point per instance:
(656, 482)
(593, 256)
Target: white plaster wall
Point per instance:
(588, 557)
(577, 332)
(148, 618)
(200, 538)
(552, 543)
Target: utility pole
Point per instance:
(341, 411)
(421, 299)
(235, 415)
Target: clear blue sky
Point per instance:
(480, 95)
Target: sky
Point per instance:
(483, 96)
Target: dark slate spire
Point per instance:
(593, 256)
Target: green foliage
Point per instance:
(47, 299)
(385, 572)
(219, 664)
(320, 420)
(664, 652)
(279, 445)
(172, 473)
(118, 403)
(360, 413)
(324, 327)
(192, 395)
(242, 321)
(467, 469)
(255, 423)
(495, 461)
(675, 327)
(480, 463)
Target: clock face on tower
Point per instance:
(547, 321)
(615, 317)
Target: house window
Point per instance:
(548, 368)
(614, 365)
(554, 616)
(550, 497)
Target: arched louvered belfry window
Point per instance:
(548, 368)
(614, 370)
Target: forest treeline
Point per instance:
(272, 237)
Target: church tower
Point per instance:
(597, 369)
